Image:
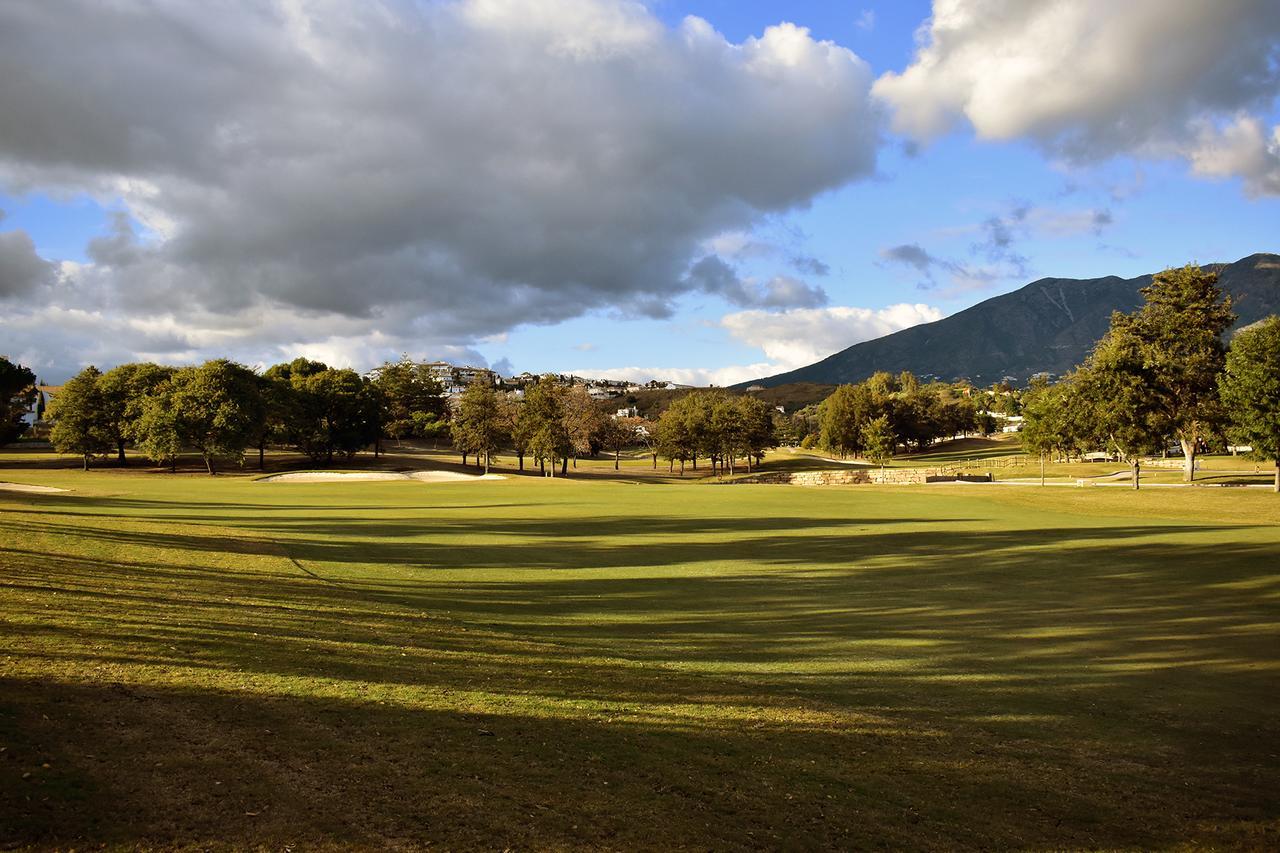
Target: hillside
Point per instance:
(1048, 325)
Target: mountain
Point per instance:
(1047, 326)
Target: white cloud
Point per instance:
(1243, 148)
(788, 339)
(792, 339)
(410, 174)
(1093, 78)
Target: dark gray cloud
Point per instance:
(22, 270)
(435, 172)
(713, 275)
(810, 265)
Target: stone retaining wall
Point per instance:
(852, 476)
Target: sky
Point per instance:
(707, 191)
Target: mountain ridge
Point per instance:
(1046, 326)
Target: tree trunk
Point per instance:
(1137, 472)
(208, 464)
(521, 455)
(262, 454)
(1042, 469)
(617, 455)
(564, 467)
(695, 462)
(655, 462)
(486, 463)
(542, 466)
(120, 452)
(681, 467)
(86, 462)
(173, 465)
(464, 458)
(1189, 460)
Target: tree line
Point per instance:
(716, 426)
(1164, 374)
(874, 417)
(221, 409)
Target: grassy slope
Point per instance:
(545, 664)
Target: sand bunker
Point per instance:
(24, 487)
(353, 476)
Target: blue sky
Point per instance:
(942, 220)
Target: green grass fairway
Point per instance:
(537, 664)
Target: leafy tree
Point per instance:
(879, 440)
(323, 411)
(617, 434)
(1044, 427)
(406, 393)
(1179, 330)
(217, 409)
(582, 420)
(81, 424)
(841, 417)
(1110, 400)
(543, 416)
(478, 422)
(1251, 389)
(516, 424)
(17, 394)
(124, 391)
(158, 431)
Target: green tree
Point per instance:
(81, 423)
(158, 431)
(1110, 401)
(1043, 426)
(543, 414)
(410, 399)
(879, 440)
(1251, 389)
(841, 417)
(582, 421)
(323, 411)
(616, 435)
(124, 391)
(217, 409)
(1179, 330)
(17, 394)
(478, 422)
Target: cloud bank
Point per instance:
(362, 178)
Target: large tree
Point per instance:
(1251, 389)
(1111, 402)
(543, 424)
(582, 421)
(17, 394)
(124, 390)
(879, 440)
(478, 423)
(81, 423)
(1179, 330)
(217, 409)
(325, 411)
(410, 399)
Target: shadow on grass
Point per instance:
(116, 764)
(736, 681)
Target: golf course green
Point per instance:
(211, 662)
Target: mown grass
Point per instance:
(209, 662)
